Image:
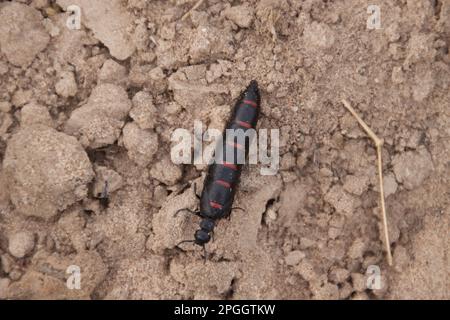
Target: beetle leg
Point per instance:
(197, 213)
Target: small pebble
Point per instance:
(294, 257)
(357, 249)
(241, 15)
(5, 106)
(21, 244)
(390, 185)
(66, 86)
(338, 275)
(15, 275)
(21, 97)
(306, 271)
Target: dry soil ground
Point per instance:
(78, 107)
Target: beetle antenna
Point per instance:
(184, 241)
(205, 254)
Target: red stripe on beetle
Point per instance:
(243, 124)
(250, 103)
(223, 183)
(215, 205)
(230, 165)
(235, 145)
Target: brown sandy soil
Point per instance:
(78, 107)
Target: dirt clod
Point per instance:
(22, 34)
(141, 144)
(66, 86)
(413, 167)
(144, 112)
(109, 26)
(112, 72)
(294, 257)
(34, 113)
(166, 172)
(99, 122)
(21, 244)
(47, 171)
(241, 15)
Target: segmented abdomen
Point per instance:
(223, 177)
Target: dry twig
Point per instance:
(187, 14)
(378, 143)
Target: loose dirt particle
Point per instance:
(306, 270)
(425, 83)
(47, 171)
(357, 249)
(5, 106)
(47, 278)
(21, 244)
(141, 144)
(166, 171)
(241, 15)
(390, 185)
(343, 202)
(294, 257)
(66, 86)
(21, 97)
(99, 122)
(327, 291)
(34, 113)
(319, 35)
(112, 72)
(143, 112)
(413, 167)
(338, 275)
(210, 43)
(109, 26)
(170, 229)
(356, 184)
(22, 34)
